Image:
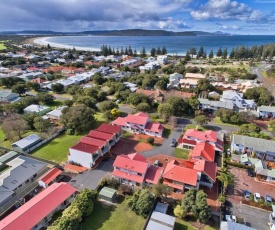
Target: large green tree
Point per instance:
(180, 107)
(165, 110)
(201, 209)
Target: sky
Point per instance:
(230, 16)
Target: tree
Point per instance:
(189, 200)
(45, 98)
(247, 129)
(271, 125)
(57, 88)
(164, 50)
(143, 52)
(211, 54)
(68, 103)
(201, 209)
(204, 85)
(219, 52)
(79, 118)
(98, 79)
(161, 84)
(179, 106)
(153, 52)
(19, 88)
(179, 212)
(144, 107)
(33, 85)
(192, 51)
(29, 118)
(107, 106)
(86, 100)
(137, 98)
(14, 126)
(201, 119)
(161, 190)
(115, 112)
(165, 110)
(42, 125)
(224, 53)
(187, 57)
(226, 179)
(200, 53)
(260, 95)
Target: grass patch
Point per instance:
(57, 149)
(166, 132)
(56, 104)
(218, 121)
(183, 225)
(2, 135)
(2, 46)
(115, 217)
(126, 134)
(99, 119)
(181, 153)
(194, 126)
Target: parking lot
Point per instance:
(253, 217)
(245, 182)
(90, 178)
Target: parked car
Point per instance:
(231, 218)
(257, 197)
(250, 172)
(247, 194)
(174, 142)
(268, 199)
(156, 163)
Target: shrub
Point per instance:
(151, 140)
(70, 132)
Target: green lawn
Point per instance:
(56, 104)
(193, 126)
(2, 135)
(218, 121)
(181, 153)
(114, 217)
(57, 149)
(183, 225)
(2, 46)
(99, 119)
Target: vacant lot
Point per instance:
(57, 149)
(115, 217)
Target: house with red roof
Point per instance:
(37, 212)
(203, 151)
(111, 129)
(134, 170)
(49, 178)
(139, 123)
(193, 136)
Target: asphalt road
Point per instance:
(90, 178)
(253, 217)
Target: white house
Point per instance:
(266, 111)
(162, 59)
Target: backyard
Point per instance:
(181, 153)
(218, 121)
(115, 217)
(57, 149)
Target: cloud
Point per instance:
(227, 27)
(225, 10)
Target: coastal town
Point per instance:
(126, 139)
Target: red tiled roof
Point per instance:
(153, 174)
(187, 141)
(204, 150)
(130, 164)
(209, 168)
(121, 121)
(54, 69)
(85, 148)
(142, 114)
(92, 141)
(127, 176)
(137, 157)
(148, 93)
(154, 127)
(36, 209)
(140, 120)
(51, 175)
(177, 186)
(106, 128)
(180, 174)
(220, 142)
(100, 135)
(208, 135)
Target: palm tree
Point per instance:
(226, 179)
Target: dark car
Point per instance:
(250, 172)
(174, 142)
(246, 194)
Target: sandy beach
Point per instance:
(43, 41)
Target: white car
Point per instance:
(257, 197)
(231, 218)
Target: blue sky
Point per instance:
(236, 17)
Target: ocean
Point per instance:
(175, 45)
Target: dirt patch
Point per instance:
(75, 168)
(143, 146)
(143, 137)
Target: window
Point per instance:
(139, 174)
(27, 181)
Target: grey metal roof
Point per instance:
(7, 156)
(27, 141)
(161, 207)
(264, 108)
(229, 225)
(222, 104)
(163, 218)
(152, 225)
(257, 144)
(204, 101)
(21, 169)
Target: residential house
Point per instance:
(203, 151)
(195, 75)
(188, 83)
(139, 123)
(266, 111)
(25, 144)
(108, 137)
(161, 221)
(212, 106)
(150, 59)
(174, 79)
(149, 66)
(237, 99)
(230, 225)
(17, 176)
(56, 114)
(264, 149)
(155, 95)
(162, 59)
(9, 97)
(111, 129)
(37, 109)
(133, 169)
(193, 136)
(38, 212)
(49, 177)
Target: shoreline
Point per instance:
(42, 41)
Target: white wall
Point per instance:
(85, 159)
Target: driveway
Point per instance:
(254, 218)
(90, 178)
